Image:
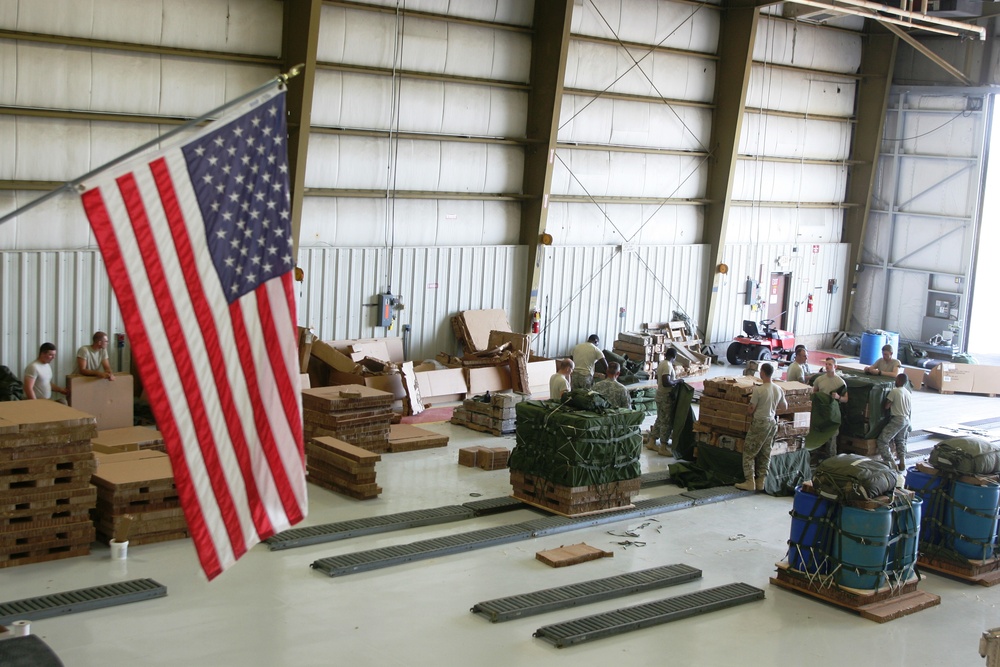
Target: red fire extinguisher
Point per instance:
(809, 304)
(536, 321)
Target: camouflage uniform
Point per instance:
(580, 381)
(615, 392)
(898, 428)
(757, 448)
(663, 426)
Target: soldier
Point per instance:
(886, 365)
(764, 401)
(798, 370)
(834, 385)
(613, 390)
(559, 382)
(897, 429)
(666, 380)
(585, 357)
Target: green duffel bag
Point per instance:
(966, 456)
(853, 477)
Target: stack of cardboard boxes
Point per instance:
(341, 467)
(494, 415)
(723, 420)
(352, 413)
(45, 492)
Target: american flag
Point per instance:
(198, 247)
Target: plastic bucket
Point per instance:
(891, 338)
(904, 536)
(973, 517)
(871, 348)
(809, 542)
(931, 490)
(861, 547)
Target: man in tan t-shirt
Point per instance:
(834, 385)
(886, 365)
(764, 401)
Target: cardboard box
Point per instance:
(441, 386)
(128, 439)
(947, 377)
(111, 401)
(479, 323)
(386, 349)
(539, 372)
(488, 378)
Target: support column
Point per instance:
(878, 58)
(549, 46)
(732, 77)
(299, 40)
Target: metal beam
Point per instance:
(632, 97)
(417, 136)
(930, 55)
(299, 41)
(431, 16)
(878, 56)
(414, 194)
(549, 48)
(732, 77)
(424, 76)
(646, 48)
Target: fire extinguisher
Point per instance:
(536, 321)
(809, 304)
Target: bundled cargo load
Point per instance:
(966, 456)
(576, 460)
(851, 477)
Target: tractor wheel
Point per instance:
(764, 354)
(734, 355)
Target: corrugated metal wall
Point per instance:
(432, 283)
(810, 265)
(583, 289)
(58, 297)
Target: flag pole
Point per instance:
(279, 80)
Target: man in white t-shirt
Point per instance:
(92, 360)
(38, 382)
(559, 382)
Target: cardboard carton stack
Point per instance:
(646, 348)
(358, 415)
(341, 467)
(409, 438)
(723, 420)
(128, 439)
(137, 499)
(492, 414)
(484, 458)
(45, 492)
(690, 361)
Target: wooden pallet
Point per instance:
(880, 606)
(984, 573)
(42, 554)
(862, 446)
(572, 501)
(371, 491)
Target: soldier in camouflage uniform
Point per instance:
(666, 380)
(764, 400)
(897, 429)
(613, 390)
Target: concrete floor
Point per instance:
(272, 609)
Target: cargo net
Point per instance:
(568, 445)
(837, 546)
(959, 522)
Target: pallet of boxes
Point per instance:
(489, 413)
(854, 539)
(862, 415)
(576, 457)
(960, 489)
(649, 346)
(45, 493)
(723, 420)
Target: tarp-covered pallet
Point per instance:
(575, 461)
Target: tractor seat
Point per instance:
(750, 327)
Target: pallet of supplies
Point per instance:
(353, 413)
(341, 467)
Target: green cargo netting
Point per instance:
(853, 477)
(966, 456)
(575, 447)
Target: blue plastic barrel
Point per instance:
(906, 516)
(871, 348)
(931, 490)
(809, 542)
(973, 516)
(860, 547)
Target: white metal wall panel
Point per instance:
(247, 26)
(789, 182)
(350, 221)
(810, 266)
(572, 223)
(593, 66)
(628, 123)
(432, 283)
(363, 101)
(802, 138)
(803, 45)
(420, 165)
(759, 223)
(514, 12)
(584, 288)
(360, 37)
(60, 297)
(801, 91)
(615, 173)
(670, 24)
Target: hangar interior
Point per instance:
(603, 163)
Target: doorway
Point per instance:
(777, 299)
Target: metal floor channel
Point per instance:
(585, 592)
(342, 530)
(628, 619)
(83, 599)
(363, 561)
